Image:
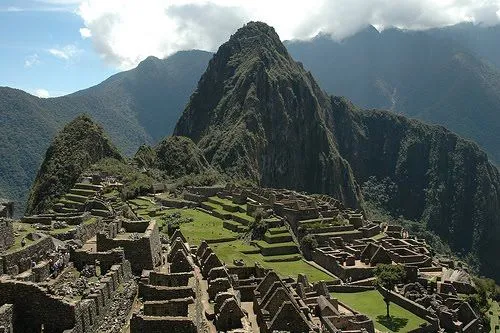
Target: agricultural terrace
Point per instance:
(371, 303)
(223, 224)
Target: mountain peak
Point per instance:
(254, 38)
(250, 110)
(77, 146)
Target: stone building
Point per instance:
(140, 241)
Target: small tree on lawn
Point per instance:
(388, 276)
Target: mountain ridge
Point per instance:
(427, 75)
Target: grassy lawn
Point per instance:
(495, 310)
(22, 229)
(379, 236)
(142, 203)
(232, 250)
(227, 202)
(372, 304)
(203, 227)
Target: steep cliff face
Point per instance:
(442, 179)
(258, 114)
(78, 145)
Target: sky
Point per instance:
(54, 47)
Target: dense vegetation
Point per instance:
(134, 182)
(439, 179)
(178, 160)
(80, 144)
(134, 107)
(448, 76)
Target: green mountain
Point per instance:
(440, 76)
(80, 144)
(256, 113)
(134, 107)
(175, 156)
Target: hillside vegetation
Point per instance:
(80, 144)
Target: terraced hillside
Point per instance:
(223, 224)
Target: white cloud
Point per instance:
(67, 52)
(12, 9)
(125, 32)
(60, 2)
(85, 33)
(31, 61)
(42, 93)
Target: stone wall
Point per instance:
(207, 191)
(6, 318)
(329, 263)
(80, 258)
(83, 232)
(140, 323)
(409, 305)
(19, 261)
(348, 323)
(159, 293)
(6, 234)
(33, 307)
(6, 208)
(175, 307)
(170, 280)
(143, 253)
(135, 226)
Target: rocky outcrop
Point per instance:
(257, 114)
(80, 144)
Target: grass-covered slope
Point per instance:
(80, 144)
(258, 114)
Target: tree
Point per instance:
(387, 277)
(308, 244)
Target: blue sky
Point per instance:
(55, 47)
(41, 49)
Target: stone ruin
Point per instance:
(140, 241)
(6, 234)
(6, 208)
(66, 302)
(441, 299)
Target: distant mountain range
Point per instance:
(442, 76)
(447, 76)
(134, 107)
